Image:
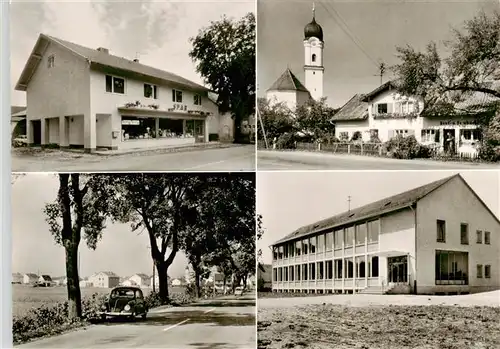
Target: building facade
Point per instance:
(104, 279)
(384, 113)
(89, 98)
(436, 239)
(30, 278)
(141, 280)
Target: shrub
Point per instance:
(286, 141)
(489, 152)
(408, 147)
(153, 300)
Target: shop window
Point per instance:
(176, 96)
(171, 128)
(451, 268)
(194, 128)
(138, 128)
(150, 91)
(115, 84)
(197, 100)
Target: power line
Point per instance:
(340, 21)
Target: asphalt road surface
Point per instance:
(215, 324)
(283, 161)
(229, 158)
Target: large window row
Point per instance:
(358, 235)
(451, 268)
(348, 268)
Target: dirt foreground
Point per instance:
(451, 324)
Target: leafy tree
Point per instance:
(277, 119)
(155, 203)
(225, 56)
(222, 232)
(82, 206)
(260, 233)
(314, 118)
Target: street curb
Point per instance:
(179, 149)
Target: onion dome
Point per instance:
(313, 29)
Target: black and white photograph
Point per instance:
(378, 259)
(380, 85)
(132, 86)
(133, 260)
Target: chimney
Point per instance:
(136, 60)
(104, 50)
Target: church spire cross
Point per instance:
(314, 11)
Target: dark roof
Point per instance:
(384, 87)
(142, 276)
(384, 206)
(99, 58)
(288, 82)
(313, 29)
(354, 109)
(31, 275)
(46, 278)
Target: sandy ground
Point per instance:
(380, 322)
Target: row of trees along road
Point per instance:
(209, 217)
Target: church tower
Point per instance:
(313, 64)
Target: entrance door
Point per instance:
(398, 269)
(36, 129)
(449, 141)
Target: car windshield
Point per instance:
(123, 293)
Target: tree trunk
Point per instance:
(162, 268)
(245, 281)
(73, 281)
(197, 282)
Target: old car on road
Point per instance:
(125, 301)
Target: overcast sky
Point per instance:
(377, 26)
(289, 200)
(34, 250)
(157, 30)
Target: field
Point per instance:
(26, 297)
(430, 322)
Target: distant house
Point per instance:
(30, 278)
(17, 121)
(128, 282)
(176, 282)
(17, 278)
(105, 279)
(45, 280)
(85, 283)
(141, 280)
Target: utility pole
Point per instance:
(381, 71)
(262, 127)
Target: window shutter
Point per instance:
(390, 108)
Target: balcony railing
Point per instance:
(380, 116)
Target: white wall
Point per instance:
(456, 204)
(287, 97)
(60, 90)
(108, 103)
(397, 234)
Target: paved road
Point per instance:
(215, 324)
(283, 161)
(229, 158)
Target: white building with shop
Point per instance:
(440, 238)
(384, 113)
(89, 98)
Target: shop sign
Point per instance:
(458, 123)
(180, 107)
(131, 122)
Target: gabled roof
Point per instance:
(288, 82)
(142, 276)
(16, 109)
(354, 109)
(107, 273)
(389, 85)
(46, 277)
(31, 275)
(98, 59)
(373, 210)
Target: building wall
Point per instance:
(58, 91)
(456, 204)
(313, 70)
(289, 98)
(397, 234)
(107, 104)
(352, 126)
